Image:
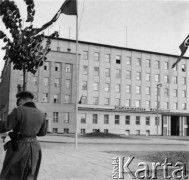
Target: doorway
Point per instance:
(174, 125)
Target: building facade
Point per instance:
(121, 90)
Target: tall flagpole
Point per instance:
(77, 84)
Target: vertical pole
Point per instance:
(24, 78)
(157, 118)
(77, 88)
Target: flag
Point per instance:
(183, 47)
(69, 7)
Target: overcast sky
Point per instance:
(152, 25)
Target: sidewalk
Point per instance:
(61, 160)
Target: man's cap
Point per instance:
(24, 94)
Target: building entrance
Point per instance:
(174, 125)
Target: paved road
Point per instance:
(91, 161)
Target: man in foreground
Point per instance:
(23, 152)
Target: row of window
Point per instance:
(56, 117)
(148, 104)
(129, 61)
(57, 67)
(117, 119)
(96, 87)
(83, 131)
(56, 98)
(46, 82)
(96, 72)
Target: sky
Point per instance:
(151, 25)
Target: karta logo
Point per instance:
(147, 170)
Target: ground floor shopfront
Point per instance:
(121, 121)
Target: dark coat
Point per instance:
(24, 163)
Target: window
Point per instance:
(175, 106)
(175, 68)
(68, 83)
(96, 71)
(95, 100)
(85, 70)
(138, 89)
(157, 121)
(55, 130)
(107, 87)
(66, 117)
(34, 80)
(184, 67)
(148, 120)
(57, 82)
(148, 90)
(147, 77)
(95, 118)
(166, 79)
(138, 61)
(45, 97)
(107, 72)
(106, 119)
(46, 81)
(183, 80)
(127, 119)
(57, 66)
(117, 101)
(21, 79)
(183, 106)
(148, 63)
(148, 104)
(107, 58)
(166, 105)
(137, 120)
(46, 66)
(82, 131)
(116, 119)
(138, 75)
(56, 98)
(128, 103)
(105, 130)
(174, 80)
(118, 59)
(128, 61)
(106, 101)
(118, 73)
(166, 65)
(157, 77)
(83, 118)
(184, 93)
(95, 86)
(67, 99)
(96, 56)
(84, 85)
(166, 92)
(117, 88)
(157, 64)
(55, 116)
(128, 88)
(137, 103)
(128, 74)
(68, 68)
(174, 92)
(85, 55)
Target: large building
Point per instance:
(122, 90)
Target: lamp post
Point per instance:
(157, 120)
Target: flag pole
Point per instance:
(77, 84)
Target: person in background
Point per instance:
(23, 153)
